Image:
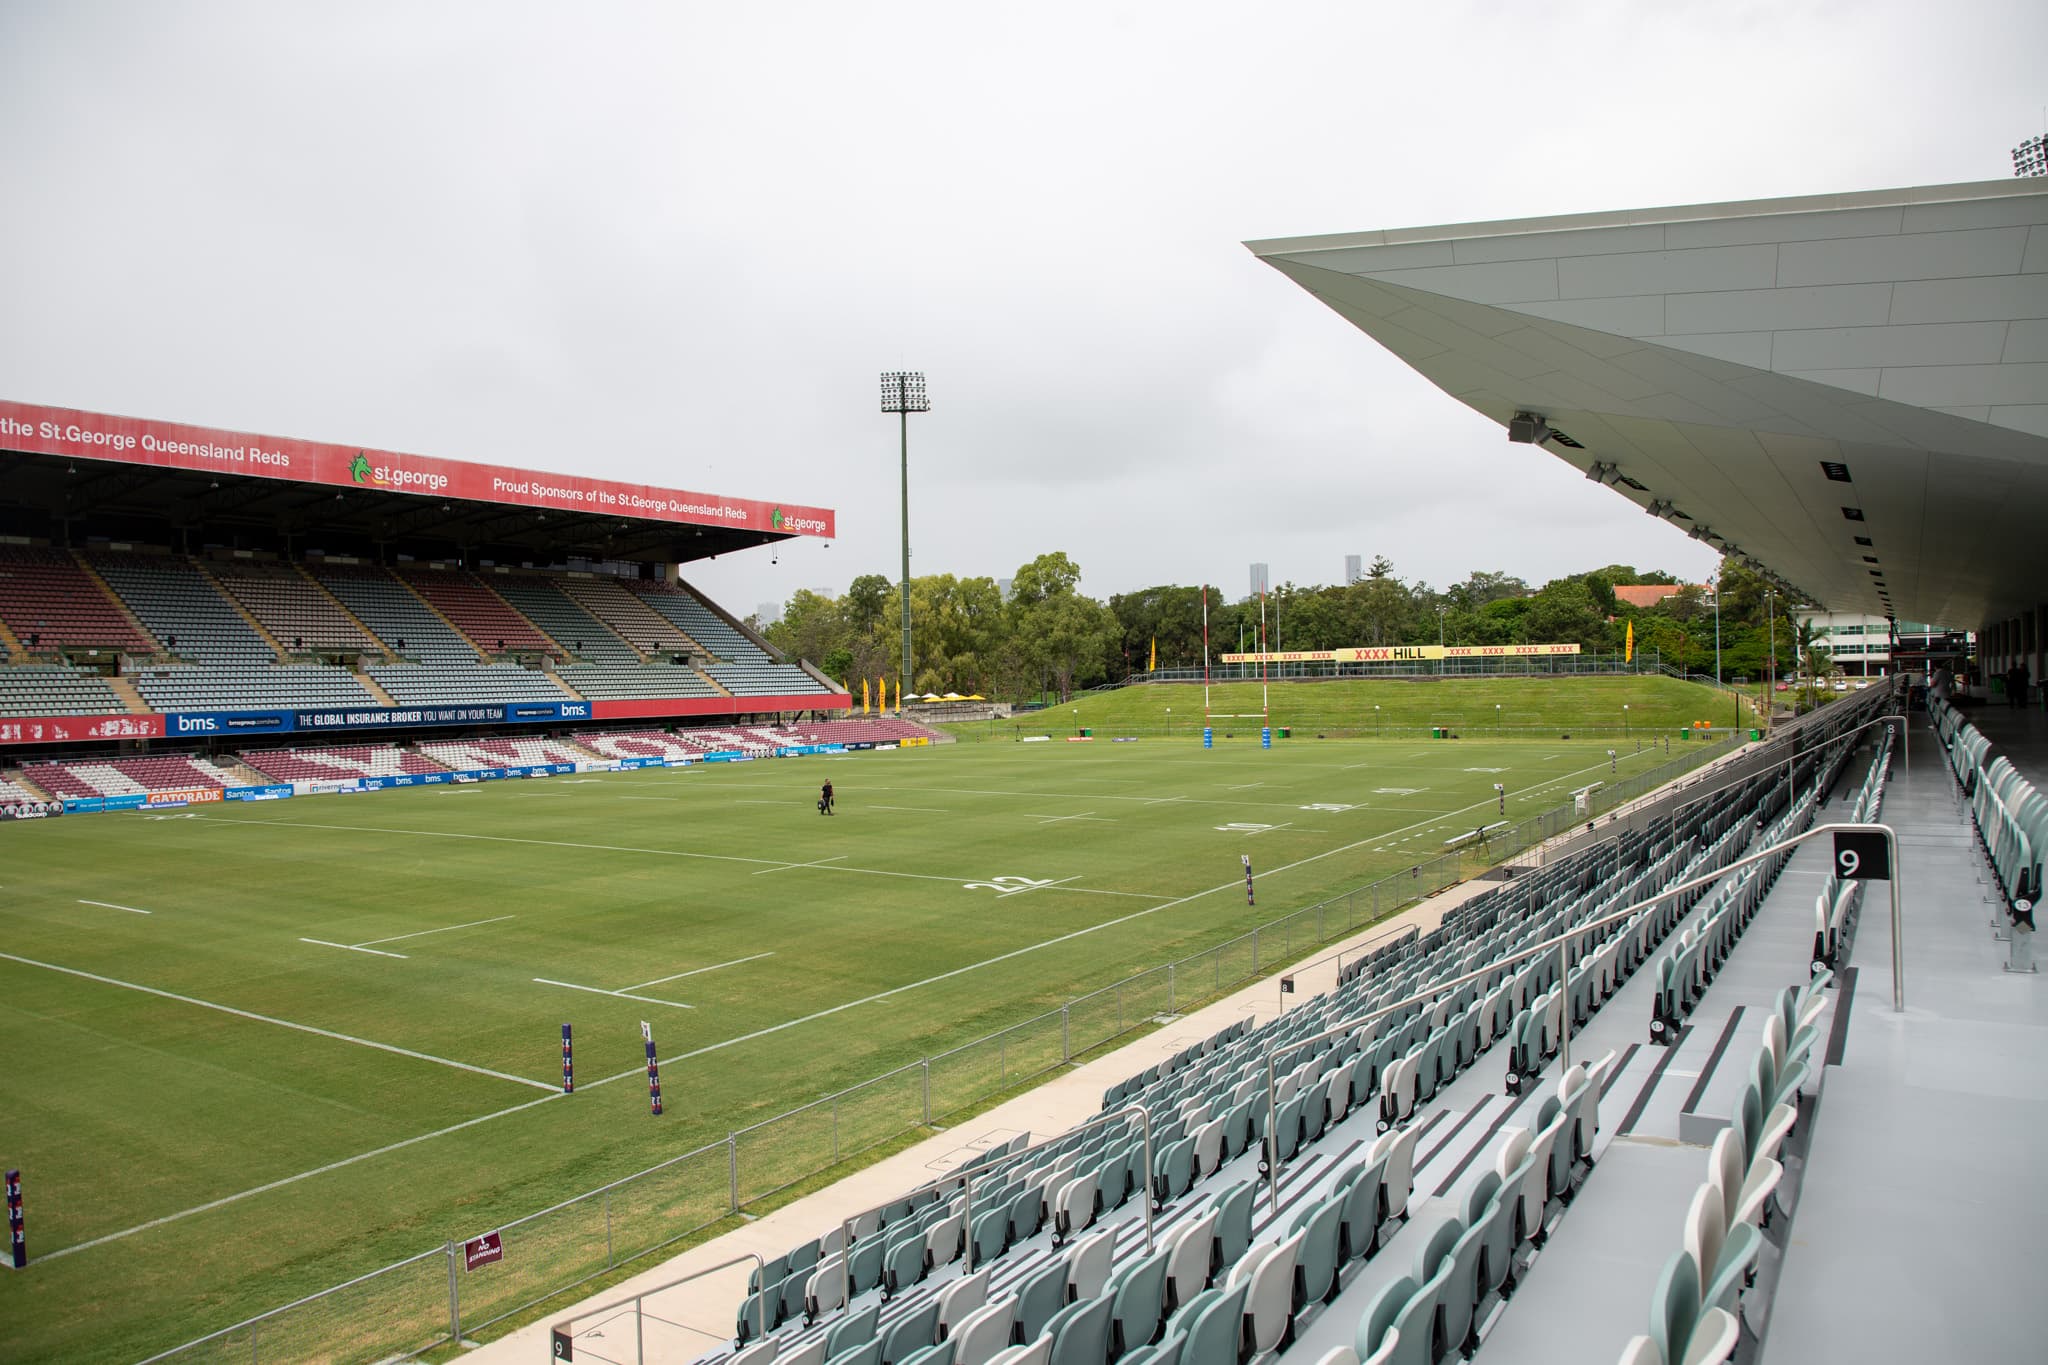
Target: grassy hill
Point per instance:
(1472, 707)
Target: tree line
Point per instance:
(1048, 639)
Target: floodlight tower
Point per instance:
(2030, 158)
(903, 393)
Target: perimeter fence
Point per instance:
(438, 1297)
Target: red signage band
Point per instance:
(175, 445)
(66, 729)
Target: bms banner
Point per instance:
(188, 723)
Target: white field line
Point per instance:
(353, 948)
(697, 971)
(623, 995)
(225, 1200)
(1235, 884)
(495, 919)
(280, 1023)
(109, 905)
(1084, 815)
(775, 864)
(1239, 803)
(915, 810)
(787, 866)
(1005, 895)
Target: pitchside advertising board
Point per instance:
(236, 724)
(1383, 654)
(173, 445)
(188, 724)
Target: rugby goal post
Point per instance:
(1209, 711)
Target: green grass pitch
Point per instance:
(324, 978)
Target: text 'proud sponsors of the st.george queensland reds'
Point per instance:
(614, 500)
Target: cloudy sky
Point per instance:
(676, 242)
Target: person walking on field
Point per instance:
(825, 799)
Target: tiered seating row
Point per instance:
(575, 629)
(499, 753)
(478, 612)
(1696, 1308)
(338, 763)
(2010, 816)
(47, 600)
(42, 691)
(291, 606)
(625, 611)
(121, 777)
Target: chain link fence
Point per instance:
(430, 1300)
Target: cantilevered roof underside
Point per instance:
(1725, 359)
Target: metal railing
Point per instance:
(561, 1331)
(411, 1307)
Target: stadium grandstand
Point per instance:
(171, 593)
(1694, 1087)
(1707, 1079)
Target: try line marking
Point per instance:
(626, 992)
(364, 946)
(495, 919)
(623, 995)
(698, 971)
(109, 905)
(353, 947)
(280, 1023)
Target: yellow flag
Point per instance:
(1153, 665)
(863, 696)
(1628, 650)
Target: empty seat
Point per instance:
(1089, 1266)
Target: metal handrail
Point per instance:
(966, 1179)
(1560, 941)
(560, 1327)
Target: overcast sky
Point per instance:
(676, 242)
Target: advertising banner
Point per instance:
(174, 445)
(179, 723)
(1377, 654)
(71, 729)
(42, 810)
(276, 792)
(191, 796)
(132, 801)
